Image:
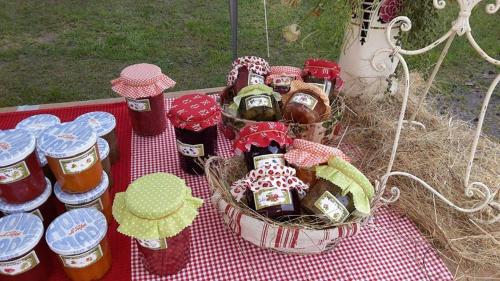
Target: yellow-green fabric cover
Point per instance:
(257, 89)
(155, 206)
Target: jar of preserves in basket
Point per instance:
(98, 198)
(103, 147)
(306, 104)
(195, 118)
(258, 103)
(325, 75)
(247, 70)
(21, 176)
(72, 153)
(142, 85)
(157, 210)
(23, 256)
(78, 237)
(280, 78)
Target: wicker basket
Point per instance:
(290, 238)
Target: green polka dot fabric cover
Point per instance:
(155, 206)
(350, 180)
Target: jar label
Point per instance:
(254, 78)
(258, 101)
(282, 81)
(19, 265)
(331, 207)
(154, 244)
(79, 163)
(325, 86)
(268, 159)
(268, 197)
(14, 173)
(191, 150)
(37, 213)
(96, 204)
(83, 260)
(139, 105)
(305, 99)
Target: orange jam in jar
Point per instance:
(79, 238)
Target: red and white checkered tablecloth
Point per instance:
(390, 248)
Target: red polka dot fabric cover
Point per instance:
(261, 135)
(279, 71)
(254, 64)
(307, 154)
(194, 112)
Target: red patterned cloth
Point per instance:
(279, 71)
(194, 112)
(321, 68)
(307, 154)
(254, 64)
(261, 135)
(140, 81)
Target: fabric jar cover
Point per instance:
(15, 145)
(102, 122)
(155, 206)
(307, 154)
(279, 71)
(19, 233)
(321, 68)
(261, 135)
(254, 64)
(67, 139)
(141, 81)
(194, 112)
(281, 177)
(29, 206)
(252, 90)
(82, 198)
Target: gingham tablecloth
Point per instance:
(390, 248)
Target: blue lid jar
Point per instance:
(102, 122)
(19, 234)
(76, 231)
(82, 198)
(29, 206)
(15, 146)
(67, 139)
(103, 147)
(36, 124)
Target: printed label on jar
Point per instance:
(79, 163)
(154, 244)
(271, 197)
(326, 86)
(139, 105)
(96, 204)
(331, 207)
(268, 159)
(20, 265)
(83, 260)
(37, 213)
(191, 150)
(282, 81)
(254, 79)
(258, 101)
(305, 99)
(14, 173)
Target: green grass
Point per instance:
(65, 50)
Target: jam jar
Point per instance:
(281, 77)
(157, 210)
(104, 124)
(272, 191)
(103, 147)
(36, 124)
(263, 143)
(78, 237)
(98, 198)
(195, 118)
(21, 177)
(247, 70)
(324, 74)
(40, 206)
(23, 256)
(258, 103)
(306, 104)
(142, 85)
(73, 156)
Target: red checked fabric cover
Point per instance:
(261, 135)
(281, 177)
(194, 112)
(141, 81)
(278, 71)
(306, 154)
(254, 64)
(322, 69)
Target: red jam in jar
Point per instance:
(248, 70)
(147, 115)
(21, 176)
(23, 256)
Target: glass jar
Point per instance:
(281, 77)
(78, 237)
(72, 153)
(307, 175)
(275, 203)
(40, 206)
(257, 157)
(258, 103)
(195, 118)
(323, 74)
(21, 177)
(147, 115)
(248, 70)
(23, 256)
(103, 147)
(306, 105)
(104, 124)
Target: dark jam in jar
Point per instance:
(263, 107)
(257, 157)
(147, 115)
(274, 203)
(281, 84)
(194, 146)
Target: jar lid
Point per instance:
(76, 231)
(15, 145)
(321, 68)
(67, 139)
(280, 71)
(141, 81)
(29, 206)
(102, 122)
(194, 112)
(307, 154)
(261, 135)
(19, 234)
(35, 124)
(155, 206)
(103, 147)
(254, 64)
(82, 198)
